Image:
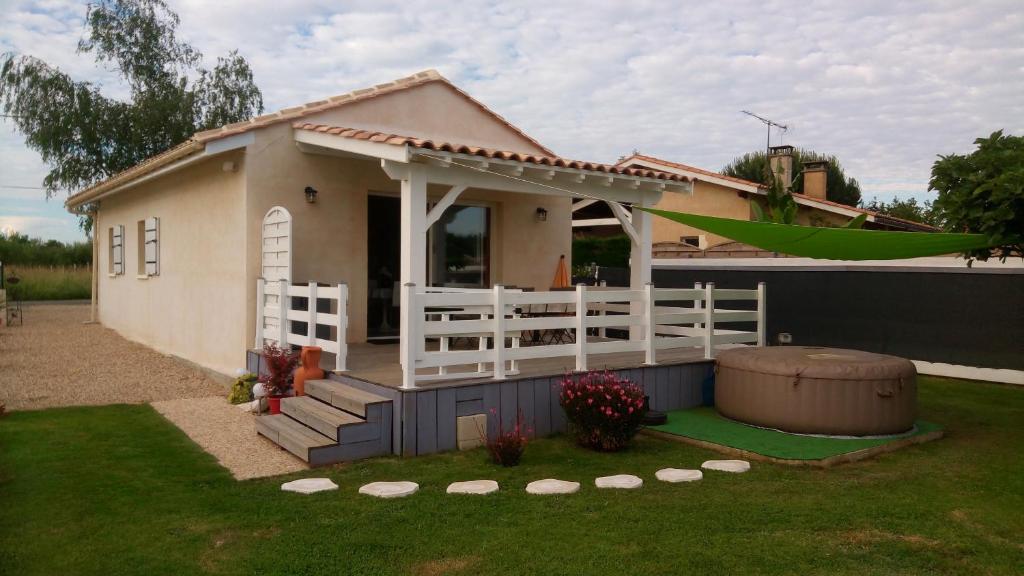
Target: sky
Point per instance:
(885, 86)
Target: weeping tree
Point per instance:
(85, 136)
(839, 187)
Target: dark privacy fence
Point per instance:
(973, 317)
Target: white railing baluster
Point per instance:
(761, 327)
(341, 357)
(260, 304)
(650, 323)
(709, 320)
(602, 331)
(581, 327)
(444, 344)
(697, 304)
(513, 366)
(311, 321)
(408, 345)
(283, 305)
(482, 347)
(499, 332)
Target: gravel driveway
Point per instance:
(56, 360)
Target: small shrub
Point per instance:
(604, 410)
(281, 363)
(241, 390)
(507, 448)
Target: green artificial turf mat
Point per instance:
(707, 425)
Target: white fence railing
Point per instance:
(274, 296)
(652, 316)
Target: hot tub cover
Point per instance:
(817, 362)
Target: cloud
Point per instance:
(885, 86)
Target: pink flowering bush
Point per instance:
(604, 410)
(508, 446)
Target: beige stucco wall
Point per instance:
(194, 307)
(433, 110)
(707, 199)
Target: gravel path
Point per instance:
(229, 434)
(56, 360)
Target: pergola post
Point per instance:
(640, 261)
(414, 267)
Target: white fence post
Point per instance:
(260, 303)
(761, 317)
(444, 343)
(581, 327)
(311, 321)
(341, 360)
(499, 332)
(650, 324)
(697, 304)
(482, 347)
(409, 336)
(283, 305)
(709, 320)
(602, 331)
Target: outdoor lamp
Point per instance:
(542, 215)
(311, 194)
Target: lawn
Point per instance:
(118, 490)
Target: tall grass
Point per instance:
(49, 282)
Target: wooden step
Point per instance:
(343, 396)
(328, 420)
(291, 435)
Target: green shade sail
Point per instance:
(830, 243)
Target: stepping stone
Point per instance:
(624, 481)
(389, 489)
(726, 465)
(678, 475)
(473, 487)
(552, 486)
(309, 485)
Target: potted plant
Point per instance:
(605, 411)
(280, 364)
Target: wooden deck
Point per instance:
(379, 364)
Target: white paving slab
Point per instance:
(309, 485)
(389, 489)
(624, 481)
(473, 487)
(726, 465)
(678, 475)
(552, 486)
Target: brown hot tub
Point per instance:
(817, 390)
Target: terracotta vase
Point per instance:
(309, 370)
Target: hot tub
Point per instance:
(810, 390)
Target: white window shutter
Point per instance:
(152, 243)
(118, 249)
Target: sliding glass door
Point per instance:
(459, 248)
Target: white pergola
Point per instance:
(415, 167)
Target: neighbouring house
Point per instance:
(411, 233)
(716, 194)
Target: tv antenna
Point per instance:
(769, 124)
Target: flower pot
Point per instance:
(310, 369)
(275, 404)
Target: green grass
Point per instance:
(707, 425)
(118, 490)
(50, 282)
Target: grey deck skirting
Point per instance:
(424, 420)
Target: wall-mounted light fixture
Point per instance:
(310, 194)
(542, 215)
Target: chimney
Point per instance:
(780, 160)
(816, 179)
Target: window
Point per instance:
(115, 241)
(459, 248)
(695, 241)
(149, 247)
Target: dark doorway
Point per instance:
(384, 256)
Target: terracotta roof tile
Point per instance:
(440, 146)
(626, 161)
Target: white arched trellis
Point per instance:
(276, 249)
